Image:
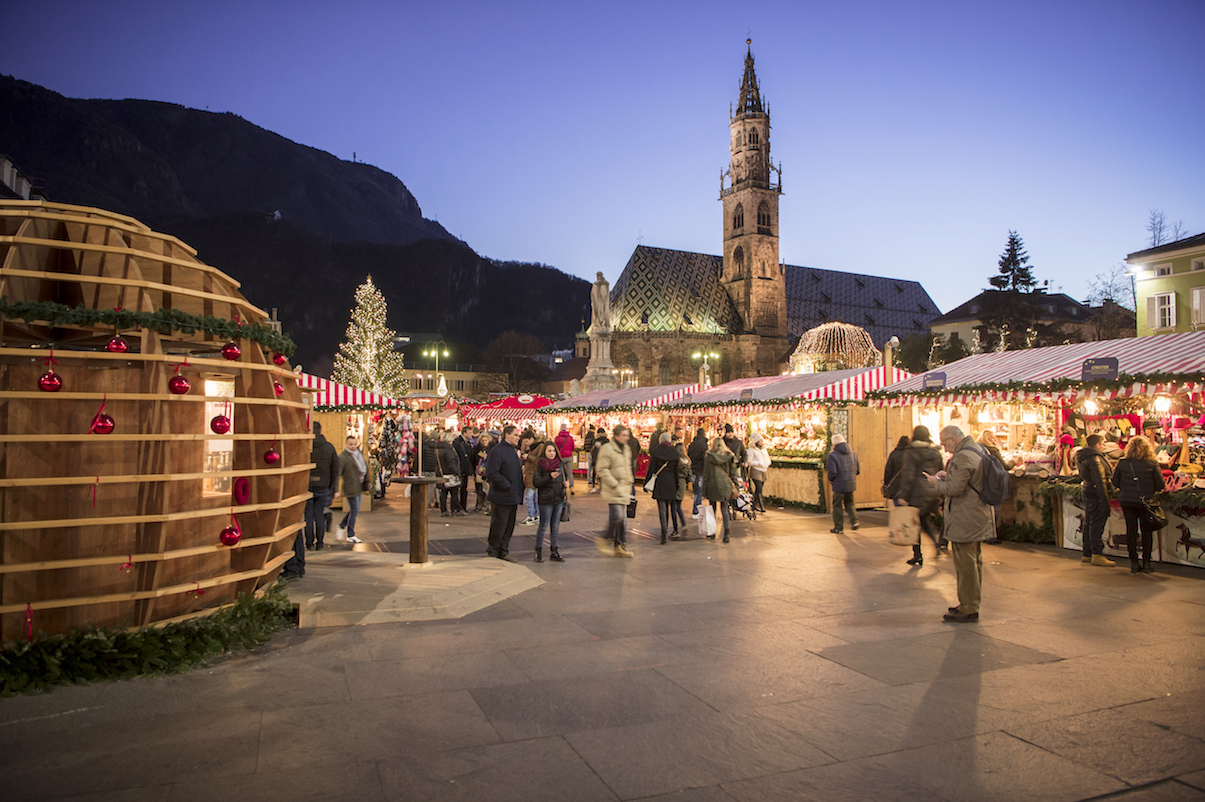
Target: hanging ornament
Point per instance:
(50, 382)
(102, 423)
(279, 388)
(177, 384)
(271, 456)
(220, 424)
(231, 535)
(231, 350)
(117, 345)
(279, 359)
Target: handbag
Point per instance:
(904, 526)
(632, 506)
(447, 480)
(651, 480)
(565, 511)
(1152, 515)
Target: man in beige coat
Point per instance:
(968, 520)
(616, 476)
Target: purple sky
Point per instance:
(913, 135)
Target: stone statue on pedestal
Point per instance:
(599, 375)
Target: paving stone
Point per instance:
(712, 793)
(597, 657)
(777, 638)
(692, 751)
(1196, 779)
(644, 621)
(997, 767)
(852, 781)
(42, 759)
(1181, 712)
(1166, 791)
(888, 624)
(152, 793)
(549, 768)
(417, 675)
(376, 729)
(1119, 745)
(401, 641)
(1082, 636)
(536, 709)
(902, 661)
(352, 780)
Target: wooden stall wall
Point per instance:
(873, 434)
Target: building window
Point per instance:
(460, 385)
(738, 217)
(753, 137)
(1163, 270)
(663, 371)
(738, 261)
(974, 308)
(1198, 306)
(763, 215)
(1161, 311)
(1198, 264)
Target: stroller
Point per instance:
(743, 503)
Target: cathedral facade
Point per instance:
(672, 309)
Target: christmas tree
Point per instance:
(1015, 274)
(366, 359)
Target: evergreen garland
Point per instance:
(164, 321)
(1050, 387)
(94, 654)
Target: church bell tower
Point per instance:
(751, 270)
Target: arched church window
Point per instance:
(663, 371)
(753, 137)
(738, 217)
(763, 215)
(738, 260)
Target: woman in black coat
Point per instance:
(447, 463)
(549, 482)
(1137, 477)
(663, 476)
(914, 489)
(895, 467)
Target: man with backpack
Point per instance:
(1094, 476)
(969, 485)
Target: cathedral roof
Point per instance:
(885, 307)
(662, 290)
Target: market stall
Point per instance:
(521, 410)
(634, 407)
(381, 424)
(798, 414)
(1041, 403)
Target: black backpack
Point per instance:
(996, 489)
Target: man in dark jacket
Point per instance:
(1093, 472)
(697, 450)
(504, 472)
(322, 479)
(735, 445)
(464, 450)
(843, 470)
(429, 446)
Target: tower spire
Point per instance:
(750, 101)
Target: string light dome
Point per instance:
(834, 346)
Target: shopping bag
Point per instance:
(904, 526)
(707, 522)
(632, 506)
(565, 511)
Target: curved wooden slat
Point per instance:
(226, 509)
(41, 481)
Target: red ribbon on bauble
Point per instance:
(128, 564)
(94, 487)
(50, 382)
(272, 456)
(102, 423)
(231, 535)
(29, 620)
(231, 350)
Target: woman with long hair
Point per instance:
(531, 458)
(480, 452)
(720, 480)
(447, 463)
(759, 464)
(549, 482)
(662, 475)
(684, 479)
(1138, 478)
(920, 458)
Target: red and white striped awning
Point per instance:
(771, 391)
(1181, 356)
(626, 398)
(327, 393)
(522, 407)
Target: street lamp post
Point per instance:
(705, 368)
(436, 350)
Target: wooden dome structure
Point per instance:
(834, 346)
(125, 528)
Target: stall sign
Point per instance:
(606, 402)
(685, 399)
(935, 381)
(747, 394)
(1101, 369)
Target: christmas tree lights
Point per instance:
(366, 359)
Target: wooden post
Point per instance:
(418, 516)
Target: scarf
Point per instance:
(550, 465)
(358, 457)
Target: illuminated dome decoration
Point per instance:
(834, 346)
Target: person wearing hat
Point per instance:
(843, 469)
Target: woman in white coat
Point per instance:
(758, 460)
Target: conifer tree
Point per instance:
(1015, 273)
(366, 359)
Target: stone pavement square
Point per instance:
(789, 664)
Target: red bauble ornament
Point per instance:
(50, 382)
(231, 350)
(231, 535)
(178, 385)
(103, 424)
(279, 358)
(279, 388)
(220, 424)
(271, 456)
(117, 345)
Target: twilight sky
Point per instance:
(912, 135)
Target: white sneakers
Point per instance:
(531, 521)
(354, 539)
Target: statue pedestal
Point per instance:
(599, 375)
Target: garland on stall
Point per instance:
(355, 407)
(1187, 502)
(796, 505)
(95, 654)
(164, 321)
(1053, 386)
(760, 406)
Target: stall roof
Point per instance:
(625, 399)
(514, 407)
(1146, 365)
(327, 394)
(849, 385)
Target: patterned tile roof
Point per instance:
(885, 307)
(668, 290)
